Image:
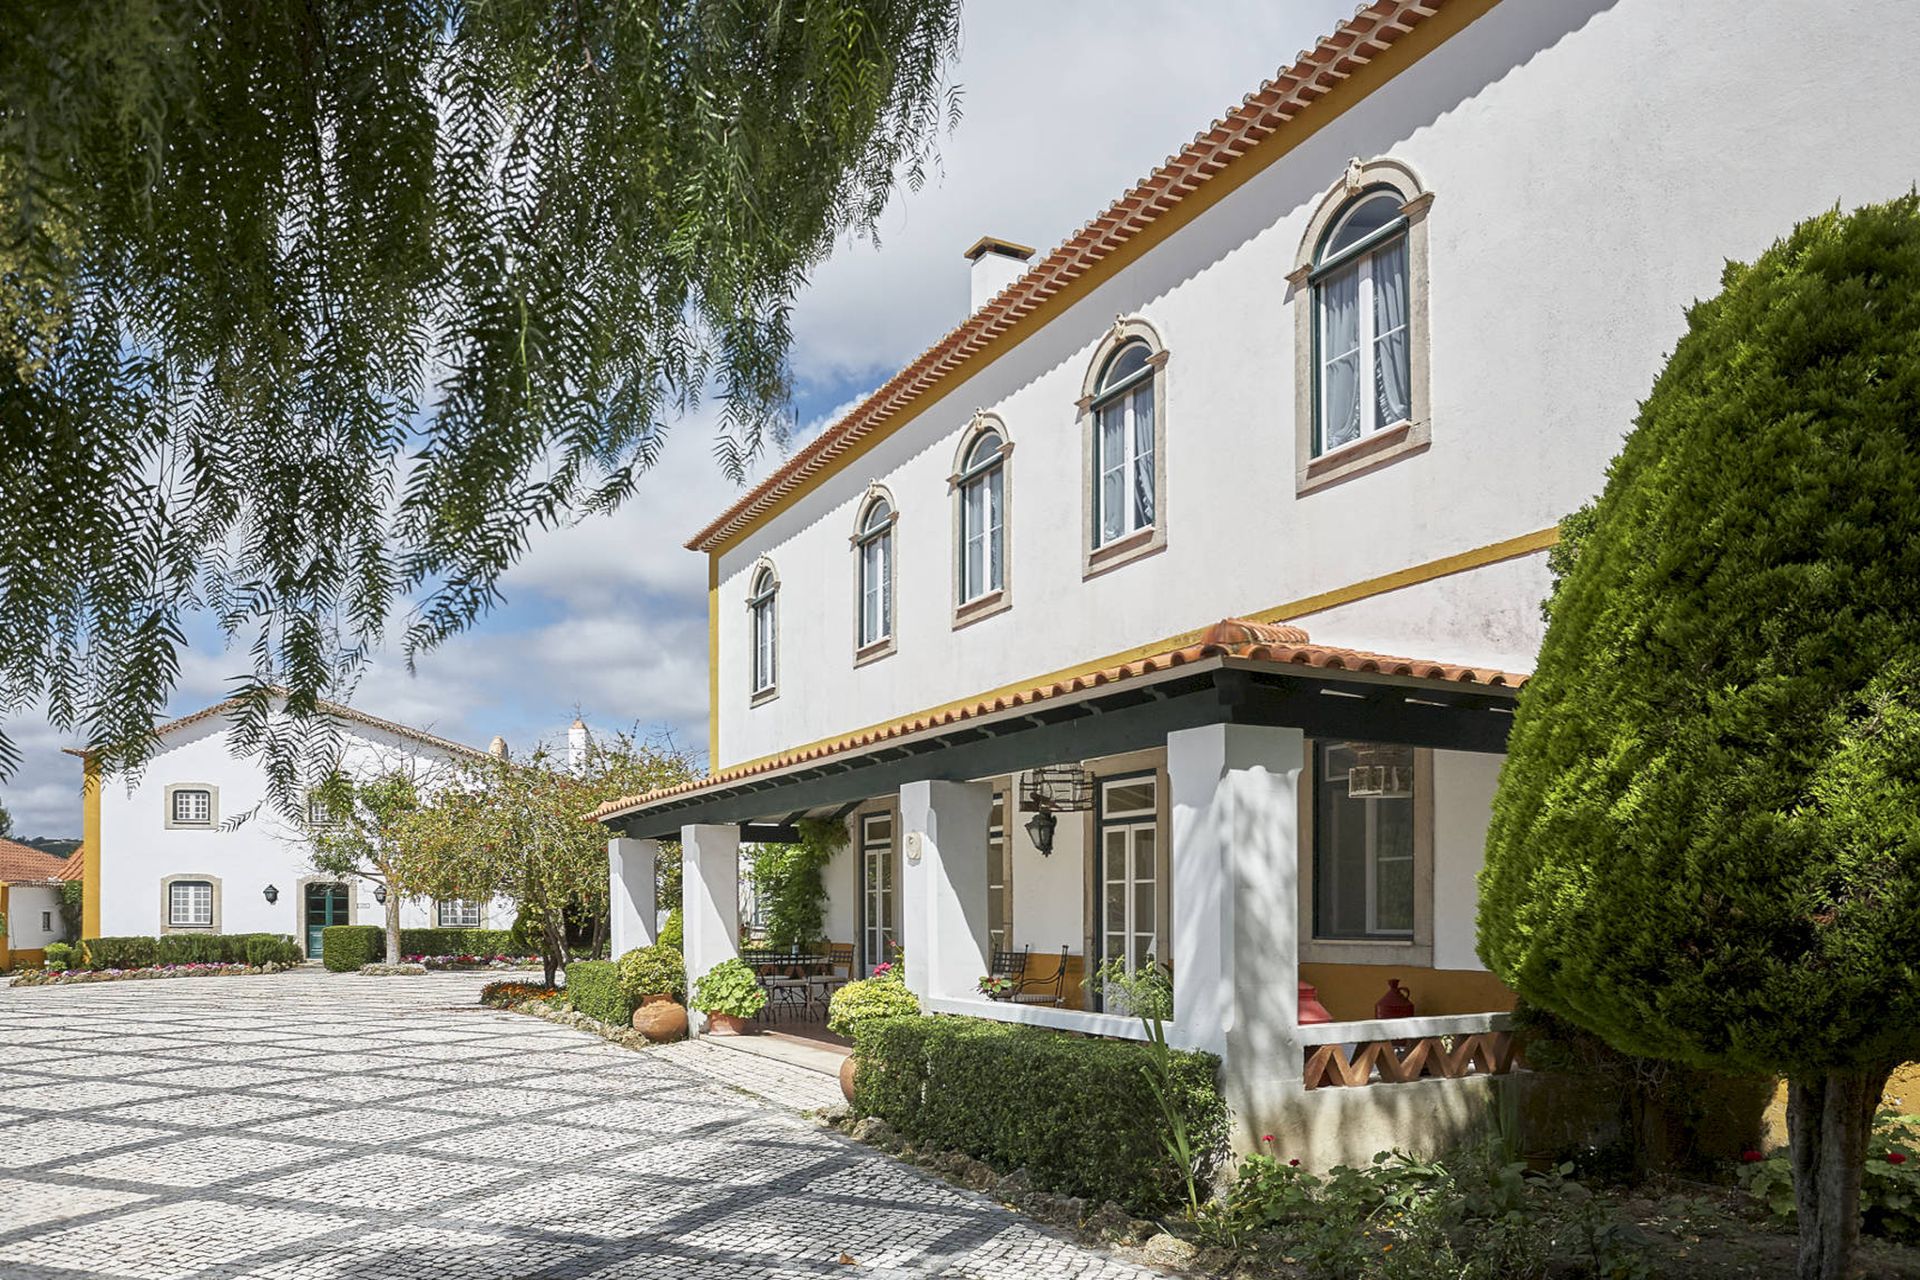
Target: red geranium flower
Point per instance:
(1896, 1157)
(1751, 1157)
(1267, 1138)
(1294, 1163)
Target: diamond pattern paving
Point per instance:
(315, 1126)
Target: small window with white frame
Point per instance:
(873, 549)
(190, 904)
(457, 913)
(190, 806)
(763, 602)
(1125, 484)
(983, 529)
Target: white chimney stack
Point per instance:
(996, 264)
(497, 748)
(577, 741)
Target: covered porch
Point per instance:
(1225, 836)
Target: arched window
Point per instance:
(1360, 323)
(1125, 483)
(1360, 283)
(873, 543)
(762, 603)
(983, 521)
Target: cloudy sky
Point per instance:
(1066, 103)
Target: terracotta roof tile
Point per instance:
(75, 867)
(24, 864)
(1238, 638)
(1357, 40)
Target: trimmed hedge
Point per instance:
(1076, 1113)
(187, 948)
(459, 942)
(345, 947)
(593, 988)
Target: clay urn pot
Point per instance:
(657, 998)
(726, 1024)
(847, 1067)
(660, 1020)
(1311, 1010)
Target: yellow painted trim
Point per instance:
(1480, 557)
(713, 660)
(90, 860)
(1348, 93)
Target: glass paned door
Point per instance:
(877, 923)
(999, 878)
(1129, 873)
(326, 905)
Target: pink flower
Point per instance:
(1267, 1138)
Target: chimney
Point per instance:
(577, 741)
(497, 748)
(996, 264)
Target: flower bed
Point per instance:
(464, 963)
(508, 993)
(59, 977)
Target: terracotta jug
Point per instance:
(1311, 1010)
(1395, 1004)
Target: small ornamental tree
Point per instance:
(1706, 842)
(361, 827)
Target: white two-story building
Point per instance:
(1141, 526)
(195, 843)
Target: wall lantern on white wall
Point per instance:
(271, 894)
(380, 894)
(1053, 789)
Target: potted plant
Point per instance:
(729, 995)
(996, 988)
(884, 995)
(651, 975)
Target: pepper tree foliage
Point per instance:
(310, 309)
(1706, 841)
(518, 829)
(790, 880)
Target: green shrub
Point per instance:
(345, 947)
(673, 932)
(867, 999)
(593, 988)
(730, 988)
(461, 942)
(652, 971)
(1078, 1114)
(185, 948)
(267, 948)
(1889, 1185)
(61, 955)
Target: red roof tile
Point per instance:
(1237, 638)
(24, 864)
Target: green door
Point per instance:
(326, 904)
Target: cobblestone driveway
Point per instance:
(311, 1125)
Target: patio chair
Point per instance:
(1048, 990)
(821, 986)
(1008, 964)
(786, 989)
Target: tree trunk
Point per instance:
(599, 936)
(553, 947)
(393, 925)
(1828, 1120)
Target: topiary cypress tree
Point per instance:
(1706, 842)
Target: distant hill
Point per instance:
(59, 846)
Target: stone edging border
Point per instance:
(70, 977)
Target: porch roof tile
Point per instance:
(1236, 638)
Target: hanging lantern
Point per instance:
(1040, 830)
(1380, 772)
(1053, 789)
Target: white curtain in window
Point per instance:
(1391, 374)
(1340, 353)
(1113, 470)
(996, 528)
(1143, 494)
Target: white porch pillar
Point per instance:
(943, 883)
(710, 901)
(631, 912)
(1236, 945)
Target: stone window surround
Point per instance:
(1153, 538)
(1312, 473)
(439, 905)
(968, 612)
(756, 697)
(213, 807)
(887, 644)
(1414, 952)
(166, 903)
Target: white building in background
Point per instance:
(195, 845)
(1332, 374)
